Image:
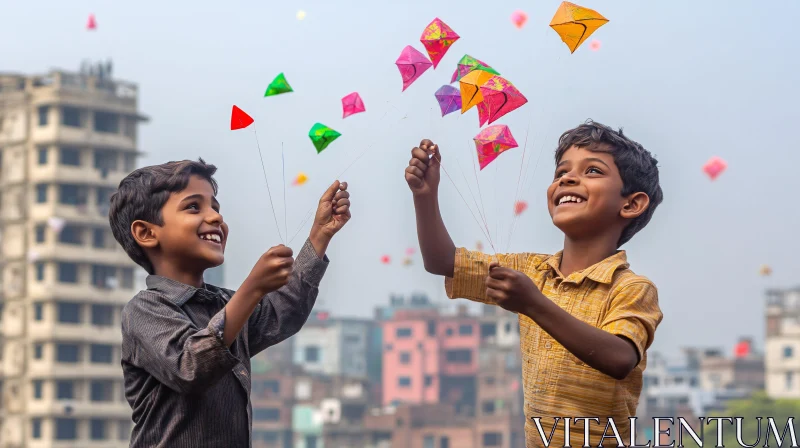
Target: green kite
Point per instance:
(277, 86)
(322, 136)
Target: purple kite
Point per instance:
(352, 104)
(412, 64)
(449, 99)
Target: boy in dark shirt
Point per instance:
(186, 345)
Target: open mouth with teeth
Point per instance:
(569, 199)
(213, 237)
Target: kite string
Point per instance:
(285, 206)
(264, 169)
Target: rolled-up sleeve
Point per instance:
(634, 313)
(472, 268)
(280, 314)
(159, 338)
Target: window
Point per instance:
(449, 332)
(266, 388)
(311, 441)
(67, 353)
(68, 272)
(97, 429)
(40, 235)
(465, 330)
(104, 196)
(36, 428)
(444, 442)
(267, 414)
(70, 156)
(42, 156)
(101, 353)
(352, 339)
(508, 327)
(106, 122)
(37, 351)
(431, 328)
(102, 315)
(101, 274)
(492, 439)
(789, 380)
(405, 357)
(127, 278)
(99, 238)
(44, 111)
(101, 390)
(65, 390)
(488, 330)
(69, 312)
(66, 429)
(130, 162)
(488, 407)
(124, 430)
(39, 272)
(459, 356)
(429, 442)
(404, 381)
(37, 389)
(312, 353)
(403, 333)
(41, 193)
(428, 380)
(489, 380)
(38, 311)
(71, 116)
(787, 352)
(105, 160)
(71, 234)
(71, 194)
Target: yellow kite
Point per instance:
(575, 24)
(471, 88)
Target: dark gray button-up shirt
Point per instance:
(186, 388)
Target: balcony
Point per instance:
(48, 331)
(77, 292)
(82, 175)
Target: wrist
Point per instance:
(320, 241)
(251, 291)
(428, 196)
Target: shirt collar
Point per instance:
(177, 292)
(602, 272)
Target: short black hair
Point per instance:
(142, 194)
(637, 167)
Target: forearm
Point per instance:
(601, 350)
(436, 246)
(319, 241)
(238, 311)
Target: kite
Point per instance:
(492, 141)
(575, 24)
(470, 88)
(501, 97)
(239, 119)
(56, 223)
(479, 246)
(33, 256)
(300, 179)
(412, 64)
(483, 113)
(322, 136)
(352, 104)
(407, 261)
(519, 207)
(765, 270)
(277, 86)
(595, 45)
(714, 167)
(301, 15)
(518, 18)
(410, 251)
(468, 64)
(91, 24)
(449, 99)
(437, 39)
(385, 259)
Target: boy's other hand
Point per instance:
(422, 173)
(333, 212)
(272, 270)
(510, 289)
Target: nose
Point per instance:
(568, 179)
(214, 217)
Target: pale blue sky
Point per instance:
(687, 79)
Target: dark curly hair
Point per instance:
(637, 167)
(142, 194)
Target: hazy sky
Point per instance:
(687, 79)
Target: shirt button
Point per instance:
(566, 288)
(548, 345)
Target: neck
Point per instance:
(174, 272)
(579, 254)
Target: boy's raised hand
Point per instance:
(272, 270)
(333, 212)
(422, 173)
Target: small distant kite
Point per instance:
(56, 223)
(437, 38)
(301, 15)
(410, 251)
(595, 45)
(240, 119)
(479, 246)
(278, 86)
(493, 141)
(386, 259)
(407, 261)
(412, 64)
(300, 179)
(575, 24)
(468, 64)
(520, 207)
(519, 18)
(765, 271)
(322, 136)
(91, 24)
(449, 99)
(352, 104)
(714, 167)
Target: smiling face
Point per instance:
(585, 196)
(194, 233)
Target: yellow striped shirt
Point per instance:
(607, 295)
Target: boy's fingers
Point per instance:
(418, 163)
(342, 203)
(341, 194)
(328, 195)
(420, 154)
(280, 251)
(416, 172)
(343, 186)
(425, 144)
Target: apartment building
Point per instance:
(782, 357)
(66, 141)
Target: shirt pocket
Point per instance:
(585, 390)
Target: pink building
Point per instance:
(430, 358)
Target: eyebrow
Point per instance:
(200, 196)
(592, 159)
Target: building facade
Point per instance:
(334, 346)
(782, 357)
(66, 141)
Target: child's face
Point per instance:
(194, 232)
(585, 195)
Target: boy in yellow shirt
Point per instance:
(586, 320)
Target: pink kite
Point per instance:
(714, 167)
(520, 207)
(412, 64)
(385, 259)
(595, 45)
(483, 113)
(449, 99)
(501, 97)
(352, 104)
(91, 24)
(519, 18)
(437, 39)
(410, 251)
(493, 141)
(240, 119)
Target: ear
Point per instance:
(144, 233)
(635, 205)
